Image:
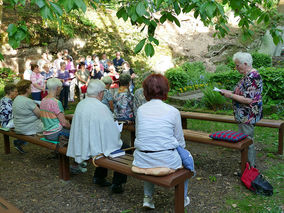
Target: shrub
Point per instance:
(177, 77)
(196, 72)
(273, 81)
(222, 68)
(261, 60)
(6, 76)
(213, 100)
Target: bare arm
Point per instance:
(111, 105)
(36, 111)
(63, 121)
(238, 98)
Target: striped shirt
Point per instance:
(49, 109)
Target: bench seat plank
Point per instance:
(201, 137)
(117, 164)
(6, 207)
(278, 124)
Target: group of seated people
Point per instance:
(93, 130)
(71, 75)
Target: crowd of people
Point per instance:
(108, 98)
(78, 73)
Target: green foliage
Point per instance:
(141, 13)
(177, 78)
(230, 63)
(261, 60)
(227, 79)
(17, 33)
(222, 68)
(213, 100)
(196, 72)
(6, 76)
(273, 81)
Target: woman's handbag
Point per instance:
(249, 176)
(262, 186)
(84, 89)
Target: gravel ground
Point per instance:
(30, 182)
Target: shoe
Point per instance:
(20, 149)
(101, 182)
(148, 202)
(117, 188)
(186, 201)
(77, 169)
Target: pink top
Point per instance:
(37, 78)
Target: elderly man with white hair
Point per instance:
(52, 112)
(93, 132)
(246, 97)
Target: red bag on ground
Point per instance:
(249, 175)
(84, 89)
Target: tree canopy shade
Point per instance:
(144, 13)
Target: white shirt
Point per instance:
(158, 128)
(93, 131)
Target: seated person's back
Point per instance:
(25, 111)
(123, 100)
(52, 112)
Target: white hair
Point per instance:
(243, 58)
(95, 86)
(53, 84)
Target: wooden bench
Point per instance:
(278, 124)
(201, 137)
(63, 159)
(6, 207)
(123, 165)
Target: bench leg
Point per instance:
(280, 141)
(184, 123)
(179, 198)
(64, 172)
(244, 159)
(6, 144)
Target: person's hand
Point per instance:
(226, 93)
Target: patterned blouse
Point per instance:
(250, 86)
(37, 78)
(107, 98)
(123, 106)
(5, 111)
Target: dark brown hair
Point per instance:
(9, 88)
(33, 66)
(156, 86)
(23, 86)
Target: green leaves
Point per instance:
(1, 57)
(140, 9)
(16, 34)
(139, 46)
(149, 50)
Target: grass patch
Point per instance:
(246, 201)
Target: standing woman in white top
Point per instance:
(158, 134)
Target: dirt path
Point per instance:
(31, 183)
